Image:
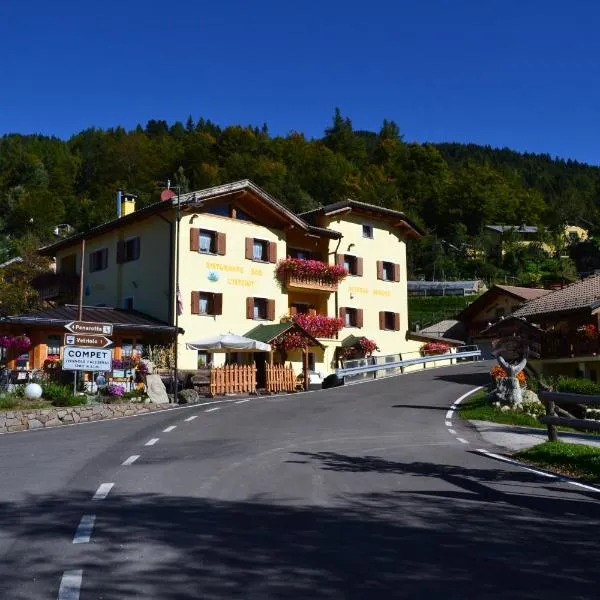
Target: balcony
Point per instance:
(313, 275)
(569, 346)
(319, 326)
(57, 287)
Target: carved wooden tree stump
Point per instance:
(513, 393)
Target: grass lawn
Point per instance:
(11, 403)
(477, 408)
(574, 460)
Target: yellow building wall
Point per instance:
(367, 292)
(145, 279)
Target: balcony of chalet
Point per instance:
(57, 288)
(309, 274)
(577, 344)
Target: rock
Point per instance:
(188, 396)
(53, 422)
(17, 428)
(155, 388)
(35, 424)
(76, 417)
(68, 418)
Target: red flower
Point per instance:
(310, 269)
(319, 326)
(435, 348)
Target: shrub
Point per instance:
(53, 391)
(9, 402)
(113, 389)
(70, 401)
(574, 385)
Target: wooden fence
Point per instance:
(550, 399)
(233, 379)
(280, 379)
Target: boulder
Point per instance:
(189, 396)
(156, 389)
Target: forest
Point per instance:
(451, 190)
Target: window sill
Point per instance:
(259, 260)
(205, 315)
(208, 253)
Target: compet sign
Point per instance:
(86, 359)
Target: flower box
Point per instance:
(315, 275)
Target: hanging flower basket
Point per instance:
(16, 342)
(433, 348)
(318, 326)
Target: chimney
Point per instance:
(127, 205)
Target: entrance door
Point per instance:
(260, 358)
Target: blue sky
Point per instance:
(516, 73)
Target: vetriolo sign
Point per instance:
(76, 358)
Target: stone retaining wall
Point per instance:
(21, 420)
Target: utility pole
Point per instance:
(80, 302)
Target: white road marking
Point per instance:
(448, 423)
(462, 441)
(151, 442)
(452, 431)
(213, 409)
(103, 491)
(242, 401)
(191, 418)
(70, 585)
(449, 413)
(459, 400)
(84, 529)
(130, 460)
(169, 429)
(582, 485)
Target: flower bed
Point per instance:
(310, 269)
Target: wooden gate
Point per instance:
(280, 379)
(233, 379)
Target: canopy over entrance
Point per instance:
(229, 342)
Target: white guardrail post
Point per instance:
(453, 356)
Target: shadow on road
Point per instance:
(482, 536)
(482, 378)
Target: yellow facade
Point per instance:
(146, 281)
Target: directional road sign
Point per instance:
(87, 341)
(77, 358)
(87, 327)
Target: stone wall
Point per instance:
(21, 420)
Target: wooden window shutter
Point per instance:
(221, 244)
(120, 252)
(271, 310)
(249, 244)
(359, 317)
(343, 314)
(293, 311)
(194, 239)
(272, 252)
(396, 272)
(195, 303)
(249, 306)
(359, 266)
(381, 319)
(340, 260)
(397, 321)
(312, 312)
(379, 269)
(218, 304)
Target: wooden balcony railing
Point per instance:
(569, 347)
(310, 283)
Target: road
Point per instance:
(351, 493)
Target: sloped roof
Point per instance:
(412, 228)
(61, 315)
(269, 333)
(584, 294)
(451, 328)
(515, 228)
(523, 292)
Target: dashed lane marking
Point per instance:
(242, 401)
(70, 585)
(449, 413)
(84, 529)
(452, 431)
(462, 441)
(103, 491)
(151, 442)
(169, 429)
(191, 418)
(448, 423)
(213, 409)
(130, 460)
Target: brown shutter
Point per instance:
(194, 239)
(381, 320)
(397, 321)
(312, 312)
(359, 317)
(359, 266)
(379, 269)
(343, 314)
(396, 272)
(293, 311)
(221, 244)
(218, 304)
(249, 305)
(120, 252)
(195, 303)
(271, 310)
(249, 244)
(340, 260)
(272, 252)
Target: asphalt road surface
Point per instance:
(363, 492)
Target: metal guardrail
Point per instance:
(462, 352)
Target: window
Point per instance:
(203, 359)
(260, 309)
(99, 260)
(128, 303)
(127, 347)
(389, 321)
(367, 231)
(207, 303)
(352, 317)
(352, 264)
(54, 343)
(261, 250)
(299, 253)
(388, 271)
(128, 250)
(208, 242)
(297, 308)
